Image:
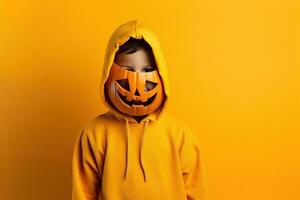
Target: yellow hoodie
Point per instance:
(117, 158)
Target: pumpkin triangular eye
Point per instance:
(149, 85)
(124, 84)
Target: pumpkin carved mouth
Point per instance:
(136, 102)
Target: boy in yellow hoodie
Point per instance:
(136, 151)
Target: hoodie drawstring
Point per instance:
(127, 148)
(140, 149)
(141, 146)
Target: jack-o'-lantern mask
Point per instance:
(134, 93)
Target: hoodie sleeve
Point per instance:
(192, 166)
(85, 174)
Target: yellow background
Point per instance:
(234, 75)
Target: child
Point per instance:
(136, 150)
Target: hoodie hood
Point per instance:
(135, 29)
(138, 30)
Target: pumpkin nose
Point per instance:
(136, 93)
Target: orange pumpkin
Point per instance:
(134, 93)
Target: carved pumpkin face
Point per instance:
(134, 93)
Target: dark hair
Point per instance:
(132, 45)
